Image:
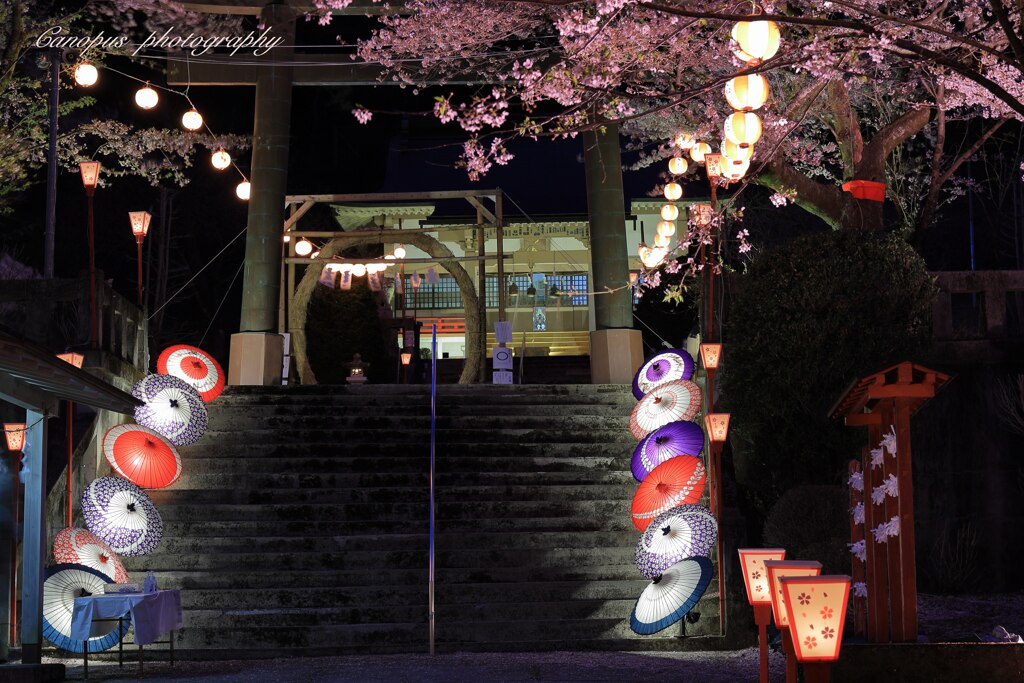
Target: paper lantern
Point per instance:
(710, 355)
(400, 251)
(192, 119)
(653, 257)
(684, 141)
(661, 240)
(86, 74)
(139, 221)
(735, 154)
(755, 576)
(243, 190)
(776, 570)
(714, 165)
(747, 93)
(75, 359)
(669, 212)
(673, 191)
(220, 159)
(14, 434)
(359, 270)
(90, 171)
(146, 97)
(743, 128)
(701, 214)
(816, 606)
(737, 171)
(677, 165)
(666, 228)
(698, 151)
(718, 426)
(757, 40)
(303, 247)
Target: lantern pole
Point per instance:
(51, 165)
(89, 177)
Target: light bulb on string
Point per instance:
(669, 212)
(243, 190)
(146, 97)
(220, 159)
(86, 74)
(192, 119)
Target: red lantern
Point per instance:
(14, 433)
(865, 189)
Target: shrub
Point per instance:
(341, 323)
(812, 523)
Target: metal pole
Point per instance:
(138, 243)
(71, 455)
(500, 237)
(92, 272)
(433, 434)
(34, 543)
(51, 166)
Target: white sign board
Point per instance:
(503, 332)
(502, 358)
(502, 377)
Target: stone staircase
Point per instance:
(300, 523)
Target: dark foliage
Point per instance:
(342, 323)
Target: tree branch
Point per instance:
(845, 126)
(889, 138)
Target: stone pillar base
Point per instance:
(615, 355)
(256, 358)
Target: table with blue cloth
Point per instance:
(152, 615)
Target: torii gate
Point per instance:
(256, 351)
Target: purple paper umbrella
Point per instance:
(170, 407)
(666, 366)
(121, 514)
(683, 532)
(675, 438)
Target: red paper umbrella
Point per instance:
(78, 546)
(196, 367)
(668, 402)
(142, 456)
(679, 481)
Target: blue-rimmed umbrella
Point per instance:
(670, 596)
(64, 583)
(665, 366)
(675, 438)
(683, 532)
(170, 407)
(122, 516)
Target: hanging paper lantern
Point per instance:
(673, 191)
(220, 159)
(684, 141)
(737, 171)
(746, 93)
(192, 119)
(743, 128)
(666, 228)
(661, 240)
(736, 155)
(243, 190)
(677, 165)
(146, 97)
(669, 212)
(698, 151)
(757, 40)
(86, 74)
(400, 252)
(652, 258)
(303, 247)
(359, 270)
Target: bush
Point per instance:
(812, 523)
(805, 321)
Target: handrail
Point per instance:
(433, 435)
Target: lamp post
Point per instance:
(90, 171)
(76, 360)
(14, 435)
(755, 579)
(717, 425)
(817, 611)
(713, 166)
(777, 569)
(140, 226)
(710, 356)
(406, 360)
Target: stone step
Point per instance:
(391, 438)
(446, 410)
(476, 511)
(484, 460)
(413, 424)
(398, 541)
(296, 452)
(384, 494)
(473, 391)
(444, 479)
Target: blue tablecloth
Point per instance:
(153, 614)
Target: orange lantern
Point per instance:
(90, 171)
(737, 155)
(776, 570)
(669, 212)
(14, 433)
(673, 191)
(743, 128)
(684, 141)
(747, 93)
(816, 606)
(666, 228)
(755, 579)
(661, 240)
(406, 357)
(717, 425)
(140, 224)
(713, 164)
(701, 214)
(75, 359)
(710, 355)
(677, 165)
(757, 40)
(698, 151)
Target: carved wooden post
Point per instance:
(857, 572)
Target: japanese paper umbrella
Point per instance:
(668, 402)
(78, 546)
(679, 481)
(142, 456)
(675, 438)
(663, 367)
(683, 532)
(196, 367)
(670, 596)
(171, 408)
(64, 583)
(121, 515)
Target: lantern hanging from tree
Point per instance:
(673, 191)
(220, 159)
(86, 74)
(747, 93)
(669, 212)
(743, 128)
(736, 154)
(684, 141)
(666, 228)
(698, 151)
(677, 165)
(146, 97)
(757, 40)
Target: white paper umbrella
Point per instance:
(64, 583)
(170, 407)
(669, 597)
(122, 515)
(668, 402)
(683, 532)
(78, 546)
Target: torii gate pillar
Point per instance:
(256, 351)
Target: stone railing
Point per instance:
(978, 316)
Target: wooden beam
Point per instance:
(863, 419)
(483, 210)
(391, 196)
(901, 391)
(24, 396)
(297, 214)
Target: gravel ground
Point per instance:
(706, 667)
